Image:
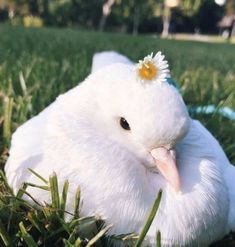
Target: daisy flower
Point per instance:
(153, 68)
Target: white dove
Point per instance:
(122, 135)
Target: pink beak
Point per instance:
(165, 161)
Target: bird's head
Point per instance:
(146, 116)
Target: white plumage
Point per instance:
(80, 138)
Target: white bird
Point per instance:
(121, 138)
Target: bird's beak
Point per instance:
(165, 161)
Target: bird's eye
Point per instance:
(125, 125)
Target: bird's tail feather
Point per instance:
(105, 58)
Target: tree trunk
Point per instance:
(166, 21)
(107, 9)
(231, 30)
(45, 8)
(136, 21)
(102, 23)
(33, 7)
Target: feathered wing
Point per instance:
(227, 169)
(27, 148)
(211, 145)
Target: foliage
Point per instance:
(134, 12)
(60, 12)
(190, 7)
(230, 7)
(32, 21)
(126, 15)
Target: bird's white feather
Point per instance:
(103, 59)
(229, 175)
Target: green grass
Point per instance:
(36, 65)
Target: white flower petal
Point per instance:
(161, 65)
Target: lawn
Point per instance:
(36, 65)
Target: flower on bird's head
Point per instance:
(153, 68)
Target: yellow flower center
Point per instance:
(148, 71)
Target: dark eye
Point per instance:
(125, 125)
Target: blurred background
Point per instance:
(169, 18)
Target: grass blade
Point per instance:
(26, 236)
(37, 175)
(149, 220)
(77, 203)
(67, 243)
(64, 198)
(78, 243)
(3, 234)
(98, 236)
(82, 220)
(32, 198)
(22, 83)
(21, 191)
(42, 187)
(47, 212)
(35, 221)
(72, 236)
(64, 225)
(55, 198)
(158, 239)
(4, 179)
(8, 105)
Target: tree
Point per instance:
(106, 11)
(133, 12)
(188, 7)
(230, 7)
(142, 10)
(208, 16)
(230, 11)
